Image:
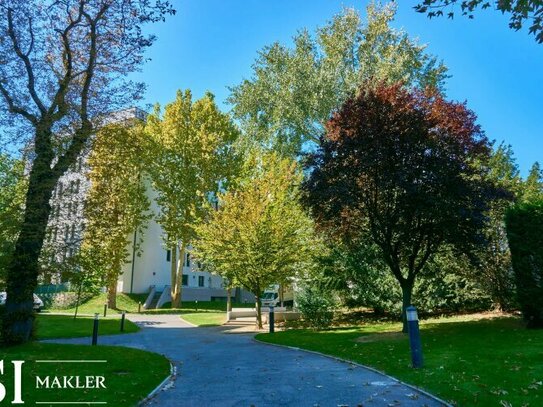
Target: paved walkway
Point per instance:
(214, 369)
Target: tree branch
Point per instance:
(13, 108)
(26, 60)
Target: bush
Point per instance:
(524, 224)
(64, 300)
(317, 307)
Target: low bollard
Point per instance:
(95, 330)
(196, 305)
(122, 321)
(105, 310)
(139, 307)
(414, 336)
(272, 319)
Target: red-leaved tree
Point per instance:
(396, 168)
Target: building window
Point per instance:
(77, 185)
(168, 255)
(73, 231)
(200, 281)
(187, 260)
(60, 187)
(66, 232)
(185, 280)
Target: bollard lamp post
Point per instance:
(272, 319)
(123, 316)
(95, 330)
(414, 336)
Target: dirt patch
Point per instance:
(378, 337)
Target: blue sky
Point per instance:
(211, 44)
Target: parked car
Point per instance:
(38, 303)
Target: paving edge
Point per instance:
(418, 389)
(168, 380)
(187, 322)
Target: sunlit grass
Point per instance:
(65, 326)
(205, 318)
(467, 361)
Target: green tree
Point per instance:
(259, 235)
(520, 11)
(533, 186)
(13, 185)
(493, 267)
(64, 65)
(191, 158)
(116, 203)
(524, 226)
(395, 168)
(293, 91)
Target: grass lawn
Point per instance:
(130, 374)
(64, 326)
(487, 362)
(187, 306)
(205, 318)
(125, 302)
(129, 303)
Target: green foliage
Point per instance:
(493, 268)
(524, 232)
(190, 159)
(533, 186)
(449, 284)
(259, 235)
(116, 203)
(316, 305)
(294, 91)
(13, 186)
(395, 170)
(521, 11)
(360, 276)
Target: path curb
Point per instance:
(359, 365)
(168, 381)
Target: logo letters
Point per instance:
(17, 381)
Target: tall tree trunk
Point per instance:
(258, 312)
(229, 299)
(23, 269)
(407, 292)
(174, 294)
(112, 293)
(176, 302)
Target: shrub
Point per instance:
(316, 306)
(524, 224)
(64, 300)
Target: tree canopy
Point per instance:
(116, 203)
(191, 158)
(395, 167)
(63, 68)
(12, 190)
(293, 91)
(259, 235)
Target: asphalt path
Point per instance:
(218, 369)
